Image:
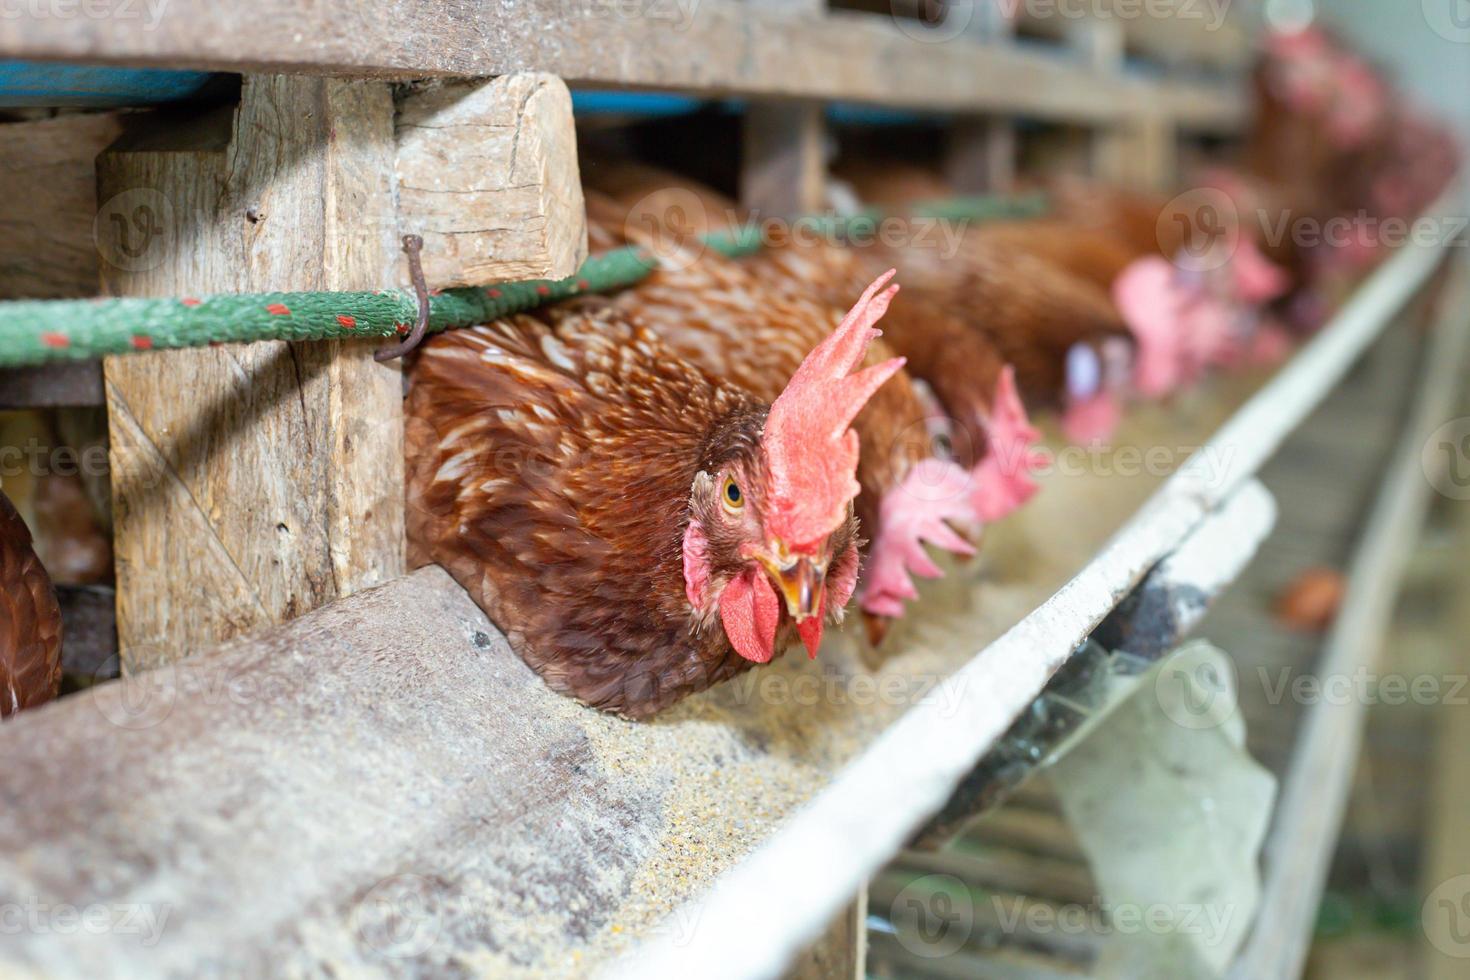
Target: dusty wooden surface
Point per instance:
(48, 182)
(487, 174)
(714, 45)
(254, 482)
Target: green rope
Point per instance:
(40, 331)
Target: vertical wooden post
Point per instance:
(783, 170)
(1099, 44)
(842, 951)
(1141, 152)
(981, 151)
(1445, 878)
(252, 483)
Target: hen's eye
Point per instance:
(731, 496)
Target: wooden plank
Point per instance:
(714, 46)
(72, 383)
(783, 163)
(255, 482)
(487, 175)
(1315, 793)
(48, 180)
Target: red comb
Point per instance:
(810, 450)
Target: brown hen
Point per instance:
(30, 620)
(751, 324)
(638, 528)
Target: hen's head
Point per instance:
(772, 539)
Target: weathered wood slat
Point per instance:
(487, 174)
(255, 482)
(715, 46)
(70, 383)
(48, 181)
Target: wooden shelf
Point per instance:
(716, 47)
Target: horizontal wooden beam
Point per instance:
(715, 46)
(60, 385)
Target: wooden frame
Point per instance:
(717, 47)
(414, 663)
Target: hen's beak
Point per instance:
(798, 578)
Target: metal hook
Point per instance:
(412, 246)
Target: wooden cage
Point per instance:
(323, 764)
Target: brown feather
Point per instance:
(551, 460)
(30, 620)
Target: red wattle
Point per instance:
(749, 611)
